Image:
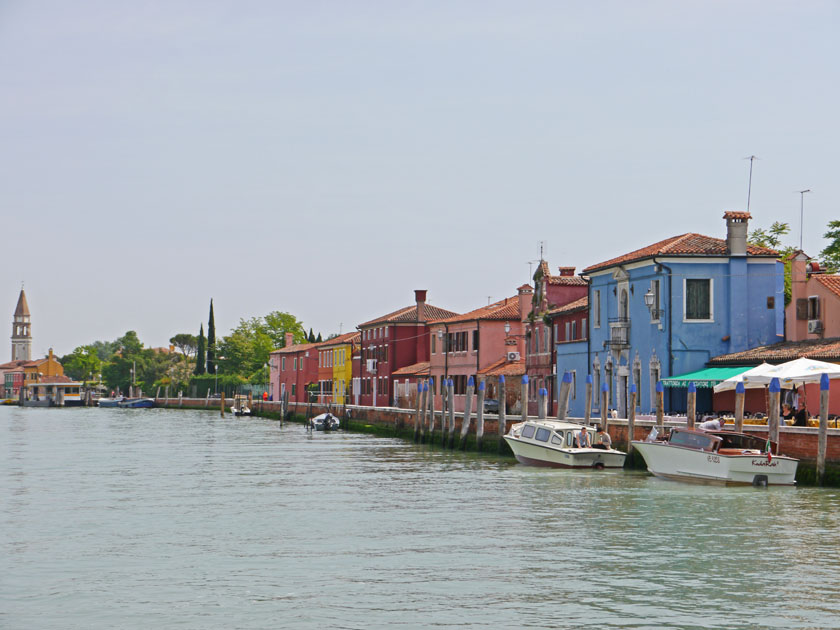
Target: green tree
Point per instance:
(211, 341)
(311, 337)
(772, 238)
(277, 323)
(200, 353)
(185, 342)
(831, 253)
(83, 364)
(246, 349)
(318, 340)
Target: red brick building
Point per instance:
(391, 342)
(293, 369)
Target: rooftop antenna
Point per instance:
(488, 299)
(340, 327)
(542, 247)
(531, 264)
(802, 213)
(751, 158)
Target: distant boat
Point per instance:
(240, 406)
(136, 403)
(324, 422)
(114, 401)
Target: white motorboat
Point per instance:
(324, 422)
(717, 457)
(552, 443)
(240, 406)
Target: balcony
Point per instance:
(619, 333)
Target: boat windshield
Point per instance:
(689, 439)
(528, 431)
(741, 441)
(542, 434)
(557, 438)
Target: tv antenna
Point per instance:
(751, 158)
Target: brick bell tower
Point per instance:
(21, 331)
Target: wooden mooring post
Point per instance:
(479, 417)
(523, 397)
(418, 431)
(542, 395)
(429, 390)
(450, 406)
(822, 435)
(660, 407)
(691, 406)
(587, 404)
(605, 401)
(222, 404)
(502, 428)
(631, 418)
(563, 399)
(467, 419)
(773, 411)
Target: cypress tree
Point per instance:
(200, 358)
(311, 338)
(319, 340)
(211, 342)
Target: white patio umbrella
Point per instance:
(793, 373)
(732, 382)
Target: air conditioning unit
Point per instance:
(371, 365)
(513, 356)
(815, 326)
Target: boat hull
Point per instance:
(694, 466)
(137, 403)
(538, 455)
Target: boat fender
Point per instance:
(760, 481)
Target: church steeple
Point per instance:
(21, 331)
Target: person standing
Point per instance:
(800, 419)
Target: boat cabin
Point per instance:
(559, 436)
(723, 442)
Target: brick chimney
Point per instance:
(526, 293)
(290, 339)
(737, 224)
(420, 298)
(567, 271)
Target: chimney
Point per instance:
(526, 293)
(290, 339)
(567, 271)
(736, 232)
(420, 298)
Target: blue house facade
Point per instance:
(666, 309)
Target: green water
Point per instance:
(180, 519)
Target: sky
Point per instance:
(328, 158)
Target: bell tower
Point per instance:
(21, 331)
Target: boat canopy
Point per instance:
(707, 377)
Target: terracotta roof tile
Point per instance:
(573, 281)
(819, 349)
(409, 314)
(13, 364)
(577, 305)
(731, 214)
(683, 245)
(299, 347)
(507, 309)
(832, 283)
(504, 368)
(417, 369)
(350, 337)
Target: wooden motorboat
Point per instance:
(240, 406)
(717, 457)
(324, 422)
(552, 443)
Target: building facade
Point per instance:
(814, 309)
(294, 369)
(666, 309)
(336, 366)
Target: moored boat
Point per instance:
(113, 401)
(240, 406)
(136, 403)
(324, 422)
(552, 443)
(717, 457)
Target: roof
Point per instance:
(51, 380)
(580, 304)
(568, 280)
(504, 368)
(350, 337)
(409, 314)
(832, 283)
(299, 347)
(503, 310)
(732, 214)
(820, 349)
(22, 309)
(707, 377)
(14, 364)
(683, 245)
(416, 369)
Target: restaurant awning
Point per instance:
(707, 377)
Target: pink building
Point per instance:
(392, 342)
(467, 345)
(814, 309)
(293, 368)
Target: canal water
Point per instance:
(181, 519)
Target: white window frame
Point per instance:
(711, 302)
(596, 298)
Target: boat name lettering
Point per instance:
(713, 458)
(763, 462)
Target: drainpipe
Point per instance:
(670, 321)
(588, 326)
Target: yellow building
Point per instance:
(41, 369)
(339, 351)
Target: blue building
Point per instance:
(666, 309)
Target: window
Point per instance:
(545, 340)
(475, 340)
(583, 331)
(283, 364)
(698, 299)
(434, 337)
(567, 332)
(574, 331)
(596, 309)
(294, 387)
(813, 307)
(295, 364)
(557, 438)
(542, 434)
(655, 309)
(528, 431)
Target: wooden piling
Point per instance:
(740, 394)
(429, 391)
(523, 397)
(502, 412)
(542, 395)
(444, 393)
(660, 407)
(822, 435)
(417, 423)
(479, 417)
(691, 406)
(587, 405)
(222, 404)
(605, 401)
(467, 419)
(631, 418)
(774, 392)
(451, 411)
(563, 400)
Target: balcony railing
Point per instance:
(619, 332)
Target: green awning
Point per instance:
(708, 377)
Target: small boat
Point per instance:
(114, 401)
(240, 406)
(136, 403)
(324, 422)
(552, 443)
(717, 457)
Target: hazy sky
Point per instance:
(327, 158)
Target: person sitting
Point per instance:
(715, 424)
(582, 439)
(603, 439)
(801, 417)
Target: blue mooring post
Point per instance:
(502, 396)
(773, 412)
(465, 422)
(479, 417)
(691, 406)
(740, 393)
(542, 395)
(631, 418)
(822, 435)
(523, 397)
(563, 395)
(587, 405)
(418, 424)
